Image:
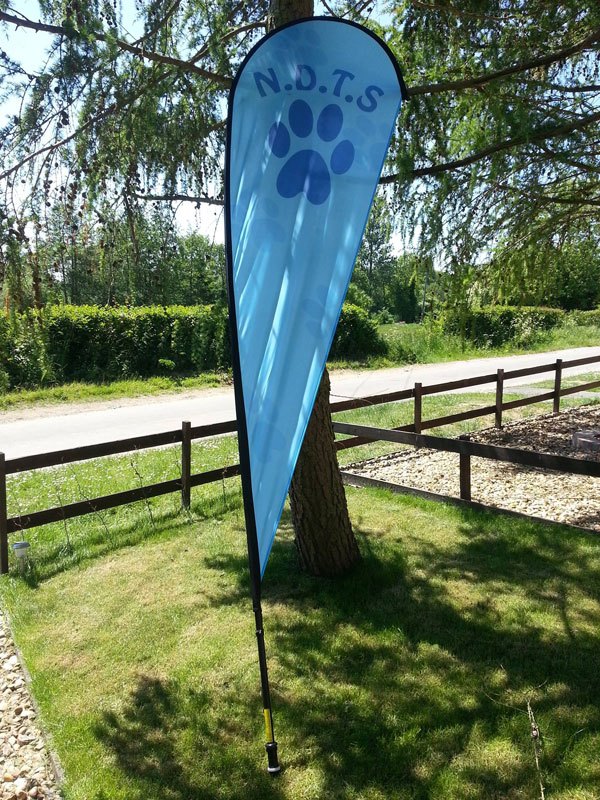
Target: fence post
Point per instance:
(465, 473)
(3, 518)
(418, 406)
(557, 382)
(499, 394)
(186, 463)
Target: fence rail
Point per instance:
(360, 434)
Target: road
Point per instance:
(49, 428)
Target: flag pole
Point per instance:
(273, 765)
(252, 541)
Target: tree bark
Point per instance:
(283, 11)
(324, 537)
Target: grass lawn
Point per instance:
(409, 678)
(426, 343)
(84, 392)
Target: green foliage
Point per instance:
(24, 352)
(89, 343)
(356, 335)
(103, 258)
(494, 326)
(92, 343)
(200, 342)
(564, 275)
(500, 146)
(586, 317)
(359, 297)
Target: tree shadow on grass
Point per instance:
(387, 685)
(172, 742)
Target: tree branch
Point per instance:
(457, 12)
(210, 201)
(220, 80)
(162, 21)
(507, 144)
(471, 83)
(55, 145)
(250, 26)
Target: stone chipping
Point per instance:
(570, 499)
(26, 768)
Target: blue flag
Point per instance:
(311, 113)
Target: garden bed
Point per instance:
(572, 499)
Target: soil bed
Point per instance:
(572, 499)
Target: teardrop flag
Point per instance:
(311, 113)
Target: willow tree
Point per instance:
(498, 142)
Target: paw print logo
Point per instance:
(307, 171)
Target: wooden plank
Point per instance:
(528, 401)
(527, 458)
(580, 362)
(499, 396)
(525, 371)
(214, 429)
(25, 463)
(583, 387)
(362, 481)
(557, 380)
(438, 422)
(373, 400)
(83, 507)
(214, 475)
(465, 473)
(186, 463)
(357, 441)
(87, 452)
(464, 383)
(3, 518)
(418, 407)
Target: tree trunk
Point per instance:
(283, 11)
(324, 536)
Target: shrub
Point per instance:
(200, 338)
(586, 317)
(92, 343)
(358, 297)
(383, 317)
(493, 326)
(25, 358)
(356, 335)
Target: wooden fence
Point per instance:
(359, 434)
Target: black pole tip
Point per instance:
(273, 761)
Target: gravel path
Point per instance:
(26, 770)
(573, 499)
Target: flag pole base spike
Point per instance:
(274, 767)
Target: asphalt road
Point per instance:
(49, 428)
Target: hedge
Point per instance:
(493, 326)
(586, 317)
(91, 343)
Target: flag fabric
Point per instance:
(311, 114)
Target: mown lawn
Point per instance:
(409, 678)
